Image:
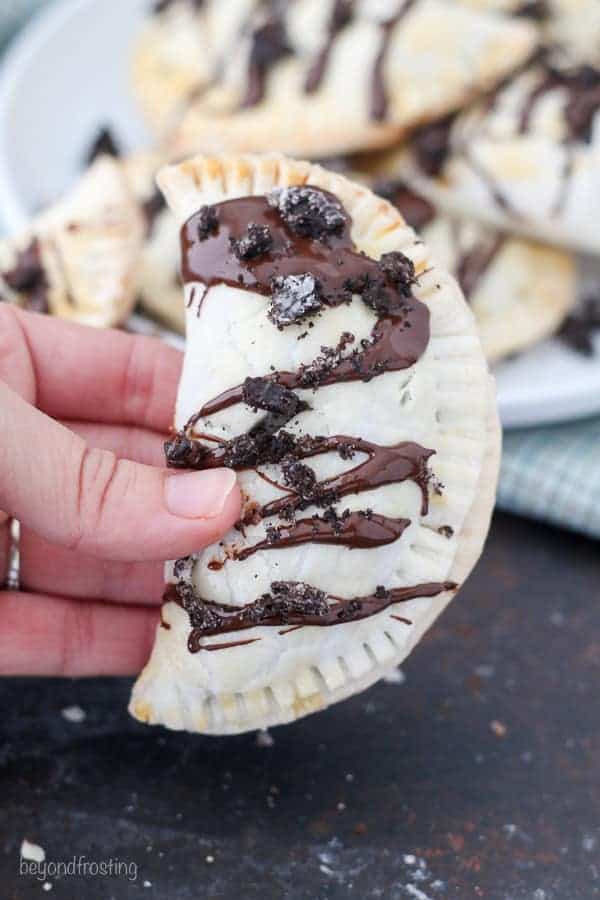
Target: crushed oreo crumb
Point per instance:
(28, 277)
(309, 212)
(293, 298)
(208, 222)
(257, 241)
(152, 207)
(315, 373)
(295, 597)
(183, 567)
(446, 531)
(578, 329)
(260, 393)
(181, 453)
(399, 269)
(300, 477)
(104, 144)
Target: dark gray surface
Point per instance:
(404, 792)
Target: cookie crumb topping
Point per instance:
(261, 393)
(207, 222)
(257, 241)
(308, 212)
(293, 298)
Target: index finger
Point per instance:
(94, 375)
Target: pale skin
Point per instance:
(83, 417)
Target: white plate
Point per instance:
(68, 74)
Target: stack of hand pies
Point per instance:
(331, 358)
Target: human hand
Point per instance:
(83, 417)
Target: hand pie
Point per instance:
(520, 291)
(320, 77)
(527, 159)
(341, 375)
(79, 259)
(159, 285)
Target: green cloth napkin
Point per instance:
(551, 473)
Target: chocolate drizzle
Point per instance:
(341, 16)
(473, 265)
(290, 603)
(296, 246)
(384, 465)
(582, 86)
(405, 461)
(162, 6)
(396, 343)
(581, 326)
(431, 145)
(419, 212)
(415, 209)
(152, 207)
(28, 277)
(379, 95)
(356, 530)
(269, 45)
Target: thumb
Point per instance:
(87, 499)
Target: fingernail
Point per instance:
(199, 495)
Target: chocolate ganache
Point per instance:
(296, 245)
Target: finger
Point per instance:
(47, 569)
(90, 501)
(126, 442)
(54, 636)
(87, 374)
(5, 544)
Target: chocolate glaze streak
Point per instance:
(379, 97)
(415, 209)
(419, 212)
(472, 266)
(432, 144)
(358, 530)
(341, 16)
(582, 85)
(152, 207)
(397, 342)
(406, 461)
(209, 619)
(384, 465)
(269, 45)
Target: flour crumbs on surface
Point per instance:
(411, 878)
(394, 676)
(74, 714)
(264, 739)
(32, 852)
